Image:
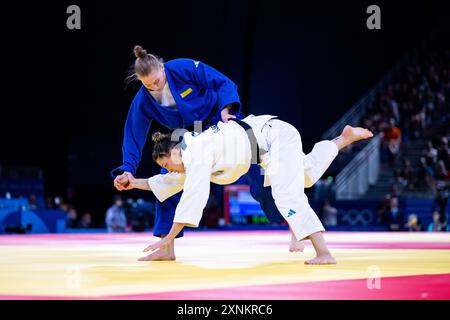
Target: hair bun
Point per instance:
(139, 52)
(157, 136)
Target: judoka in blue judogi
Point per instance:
(175, 94)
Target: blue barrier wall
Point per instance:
(355, 215)
(15, 217)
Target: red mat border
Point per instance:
(421, 287)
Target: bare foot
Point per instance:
(159, 255)
(296, 246)
(352, 134)
(322, 259)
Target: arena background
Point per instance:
(316, 65)
(65, 99)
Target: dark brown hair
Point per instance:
(144, 64)
(163, 144)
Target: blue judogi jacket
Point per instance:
(200, 93)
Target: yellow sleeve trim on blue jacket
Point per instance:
(186, 92)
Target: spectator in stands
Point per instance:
(329, 214)
(391, 141)
(431, 153)
(441, 200)
(399, 183)
(425, 175)
(419, 121)
(441, 171)
(32, 202)
(394, 217)
(413, 223)
(408, 175)
(86, 220)
(116, 220)
(64, 206)
(414, 100)
(436, 225)
(72, 218)
(57, 202)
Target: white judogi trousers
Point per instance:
(286, 167)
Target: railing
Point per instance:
(361, 172)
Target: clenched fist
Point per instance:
(122, 182)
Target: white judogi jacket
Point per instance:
(221, 154)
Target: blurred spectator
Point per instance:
(407, 177)
(399, 183)
(116, 220)
(441, 200)
(329, 214)
(86, 220)
(415, 105)
(425, 175)
(391, 142)
(413, 223)
(32, 202)
(394, 217)
(418, 123)
(431, 153)
(72, 218)
(57, 202)
(441, 171)
(436, 225)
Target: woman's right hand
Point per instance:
(226, 115)
(123, 181)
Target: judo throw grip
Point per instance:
(126, 183)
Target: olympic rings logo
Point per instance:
(355, 217)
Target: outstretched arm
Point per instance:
(141, 184)
(163, 186)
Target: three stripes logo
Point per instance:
(291, 213)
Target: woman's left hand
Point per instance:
(226, 114)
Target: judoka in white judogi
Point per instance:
(223, 153)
